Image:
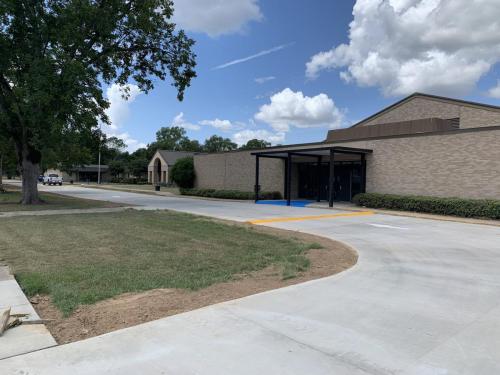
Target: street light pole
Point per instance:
(99, 161)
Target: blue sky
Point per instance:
(393, 48)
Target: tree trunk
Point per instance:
(30, 170)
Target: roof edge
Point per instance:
(428, 96)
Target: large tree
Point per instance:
(6, 157)
(218, 144)
(170, 138)
(255, 144)
(56, 55)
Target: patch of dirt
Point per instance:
(135, 308)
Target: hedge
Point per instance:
(129, 180)
(479, 208)
(230, 194)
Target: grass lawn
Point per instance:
(82, 259)
(135, 187)
(9, 201)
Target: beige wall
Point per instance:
(236, 171)
(420, 108)
(462, 164)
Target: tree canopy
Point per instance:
(255, 144)
(167, 138)
(56, 55)
(217, 144)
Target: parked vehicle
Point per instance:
(52, 179)
(40, 178)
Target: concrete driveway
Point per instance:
(424, 298)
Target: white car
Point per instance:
(52, 179)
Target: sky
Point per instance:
(287, 71)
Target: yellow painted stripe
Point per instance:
(315, 217)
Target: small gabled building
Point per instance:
(422, 145)
(160, 164)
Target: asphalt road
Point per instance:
(424, 298)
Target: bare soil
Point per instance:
(135, 308)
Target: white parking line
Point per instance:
(387, 226)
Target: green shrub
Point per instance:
(183, 172)
(230, 194)
(129, 180)
(481, 208)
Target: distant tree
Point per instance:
(183, 172)
(138, 166)
(218, 144)
(255, 144)
(55, 56)
(111, 149)
(190, 145)
(117, 167)
(170, 138)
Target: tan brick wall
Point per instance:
(420, 108)
(454, 165)
(460, 165)
(236, 171)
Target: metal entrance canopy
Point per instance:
(317, 153)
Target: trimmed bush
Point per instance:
(183, 172)
(479, 208)
(230, 194)
(129, 181)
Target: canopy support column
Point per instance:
(289, 179)
(331, 179)
(363, 173)
(318, 179)
(257, 187)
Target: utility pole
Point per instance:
(99, 158)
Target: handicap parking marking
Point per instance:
(313, 217)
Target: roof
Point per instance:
(432, 97)
(170, 157)
(391, 129)
(320, 150)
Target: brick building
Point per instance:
(421, 145)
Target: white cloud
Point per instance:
(244, 136)
(254, 56)
(119, 112)
(216, 17)
(261, 80)
(182, 123)
(289, 108)
(132, 144)
(403, 46)
(494, 92)
(218, 124)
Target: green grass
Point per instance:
(82, 259)
(137, 187)
(9, 201)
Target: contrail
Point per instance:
(261, 53)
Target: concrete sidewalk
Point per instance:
(63, 212)
(27, 337)
(423, 299)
